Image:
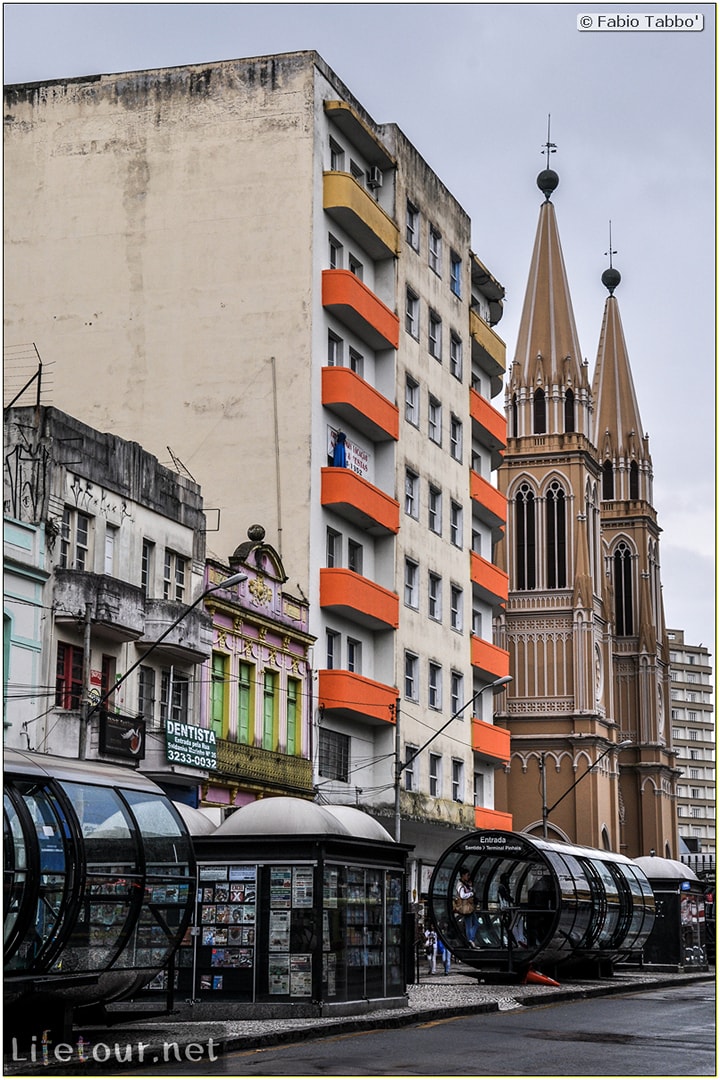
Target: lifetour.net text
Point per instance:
(43, 1051)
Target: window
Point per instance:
(525, 538)
(692, 735)
(108, 678)
(434, 685)
(456, 691)
(333, 556)
(357, 363)
(146, 693)
(608, 481)
(455, 273)
(435, 510)
(335, 350)
(477, 622)
(410, 759)
(355, 557)
(412, 314)
(695, 812)
(174, 697)
(411, 493)
(695, 755)
(539, 413)
(434, 420)
(456, 524)
(478, 789)
(694, 774)
(174, 571)
(635, 485)
(147, 564)
(354, 655)
(335, 249)
(694, 792)
(355, 267)
(270, 710)
(337, 157)
(356, 171)
(411, 584)
(456, 356)
(435, 335)
(569, 410)
(435, 596)
(435, 775)
(555, 527)
(692, 676)
(110, 538)
(68, 676)
(412, 226)
(412, 401)
(692, 715)
(74, 540)
(218, 694)
(411, 676)
(434, 250)
(246, 704)
(456, 447)
(456, 607)
(332, 641)
(457, 780)
(622, 581)
(334, 755)
(292, 740)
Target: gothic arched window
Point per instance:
(539, 413)
(514, 417)
(634, 480)
(623, 584)
(569, 410)
(608, 487)
(555, 536)
(525, 538)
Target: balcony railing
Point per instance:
(490, 661)
(117, 608)
(355, 597)
(490, 741)
(488, 580)
(190, 641)
(356, 697)
(267, 769)
(360, 404)
(486, 818)
(489, 426)
(490, 504)
(350, 301)
(488, 350)
(359, 501)
(347, 202)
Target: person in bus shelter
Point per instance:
(464, 905)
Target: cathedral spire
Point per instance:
(618, 435)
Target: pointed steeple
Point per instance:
(618, 431)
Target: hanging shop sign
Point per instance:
(121, 737)
(187, 744)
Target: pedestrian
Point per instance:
(444, 955)
(431, 945)
(464, 905)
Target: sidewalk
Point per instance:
(167, 1038)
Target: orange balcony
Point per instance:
(346, 593)
(488, 580)
(488, 350)
(490, 504)
(355, 697)
(359, 501)
(360, 404)
(489, 426)
(490, 741)
(491, 661)
(353, 207)
(358, 308)
(492, 819)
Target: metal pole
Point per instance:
(544, 794)
(85, 710)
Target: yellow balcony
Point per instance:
(355, 697)
(351, 205)
(357, 307)
(488, 350)
(492, 819)
(360, 404)
(359, 501)
(490, 661)
(488, 580)
(490, 741)
(355, 597)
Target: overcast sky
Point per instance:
(472, 85)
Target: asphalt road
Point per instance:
(668, 1032)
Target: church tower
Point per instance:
(583, 624)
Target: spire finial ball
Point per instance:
(611, 279)
(547, 181)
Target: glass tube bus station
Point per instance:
(538, 902)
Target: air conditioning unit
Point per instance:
(374, 177)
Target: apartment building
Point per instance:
(281, 293)
(693, 735)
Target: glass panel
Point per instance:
(165, 842)
(14, 869)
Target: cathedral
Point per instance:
(588, 709)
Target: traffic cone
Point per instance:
(539, 979)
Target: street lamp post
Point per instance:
(400, 765)
(547, 810)
(227, 583)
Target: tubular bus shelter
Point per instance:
(539, 902)
(99, 884)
